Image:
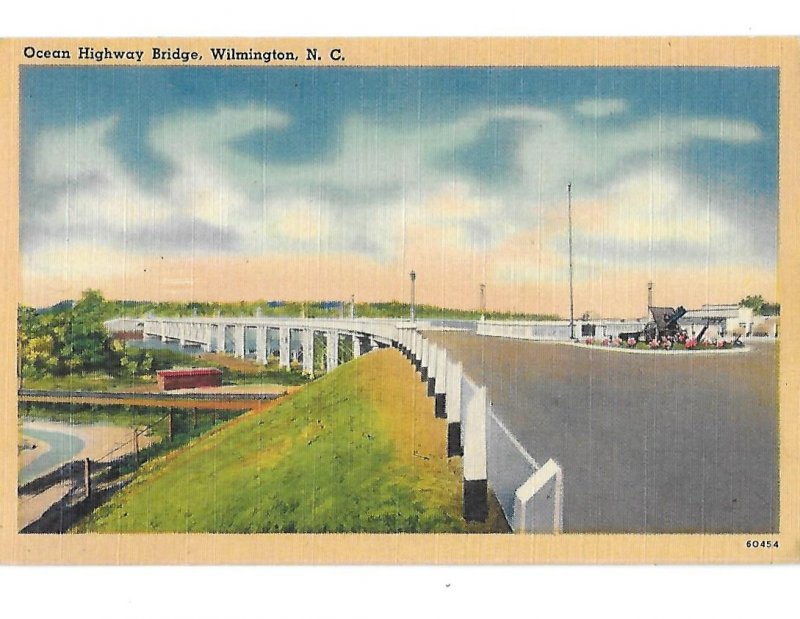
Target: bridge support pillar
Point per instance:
(308, 352)
(238, 346)
(207, 338)
(284, 339)
(220, 338)
(163, 331)
(331, 350)
(356, 346)
(182, 333)
(261, 345)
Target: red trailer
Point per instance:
(189, 378)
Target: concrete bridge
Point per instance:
(241, 336)
(529, 492)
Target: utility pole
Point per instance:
(649, 297)
(571, 299)
(483, 302)
(413, 277)
(352, 307)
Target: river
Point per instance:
(64, 445)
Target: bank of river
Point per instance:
(64, 442)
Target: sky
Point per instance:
(211, 183)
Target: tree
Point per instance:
(759, 306)
(86, 345)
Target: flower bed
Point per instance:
(680, 343)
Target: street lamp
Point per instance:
(483, 302)
(413, 277)
(571, 300)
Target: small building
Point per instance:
(189, 378)
(720, 319)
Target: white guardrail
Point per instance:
(530, 494)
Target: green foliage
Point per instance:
(310, 309)
(759, 306)
(72, 340)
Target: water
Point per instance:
(157, 344)
(64, 446)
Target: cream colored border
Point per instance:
(431, 549)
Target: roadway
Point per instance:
(648, 443)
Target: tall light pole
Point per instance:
(649, 296)
(352, 307)
(483, 301)
(413, 277)
(571, 300)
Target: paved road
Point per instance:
(648, 443)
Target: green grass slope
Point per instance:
(356, 451)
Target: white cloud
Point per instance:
(380, 179)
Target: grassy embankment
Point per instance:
(358, 450)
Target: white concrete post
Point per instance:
(433, 353)
(424, 359)
(308, 352)
(476, 506)
(284, 339)
(261, 344)
(356, 346)
(454, 373)
(538, 503)
(331, 350)
(441, 370)
(163, 331)
(182, 333)
(440, 384)
(238, 339)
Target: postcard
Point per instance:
(368, 301)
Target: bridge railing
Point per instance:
(188, 327)
(530, 494)
(557, 330)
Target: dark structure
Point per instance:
(189, 378)
(664, 325)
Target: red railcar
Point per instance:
(189, 378)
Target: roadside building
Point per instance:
(728, 320)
